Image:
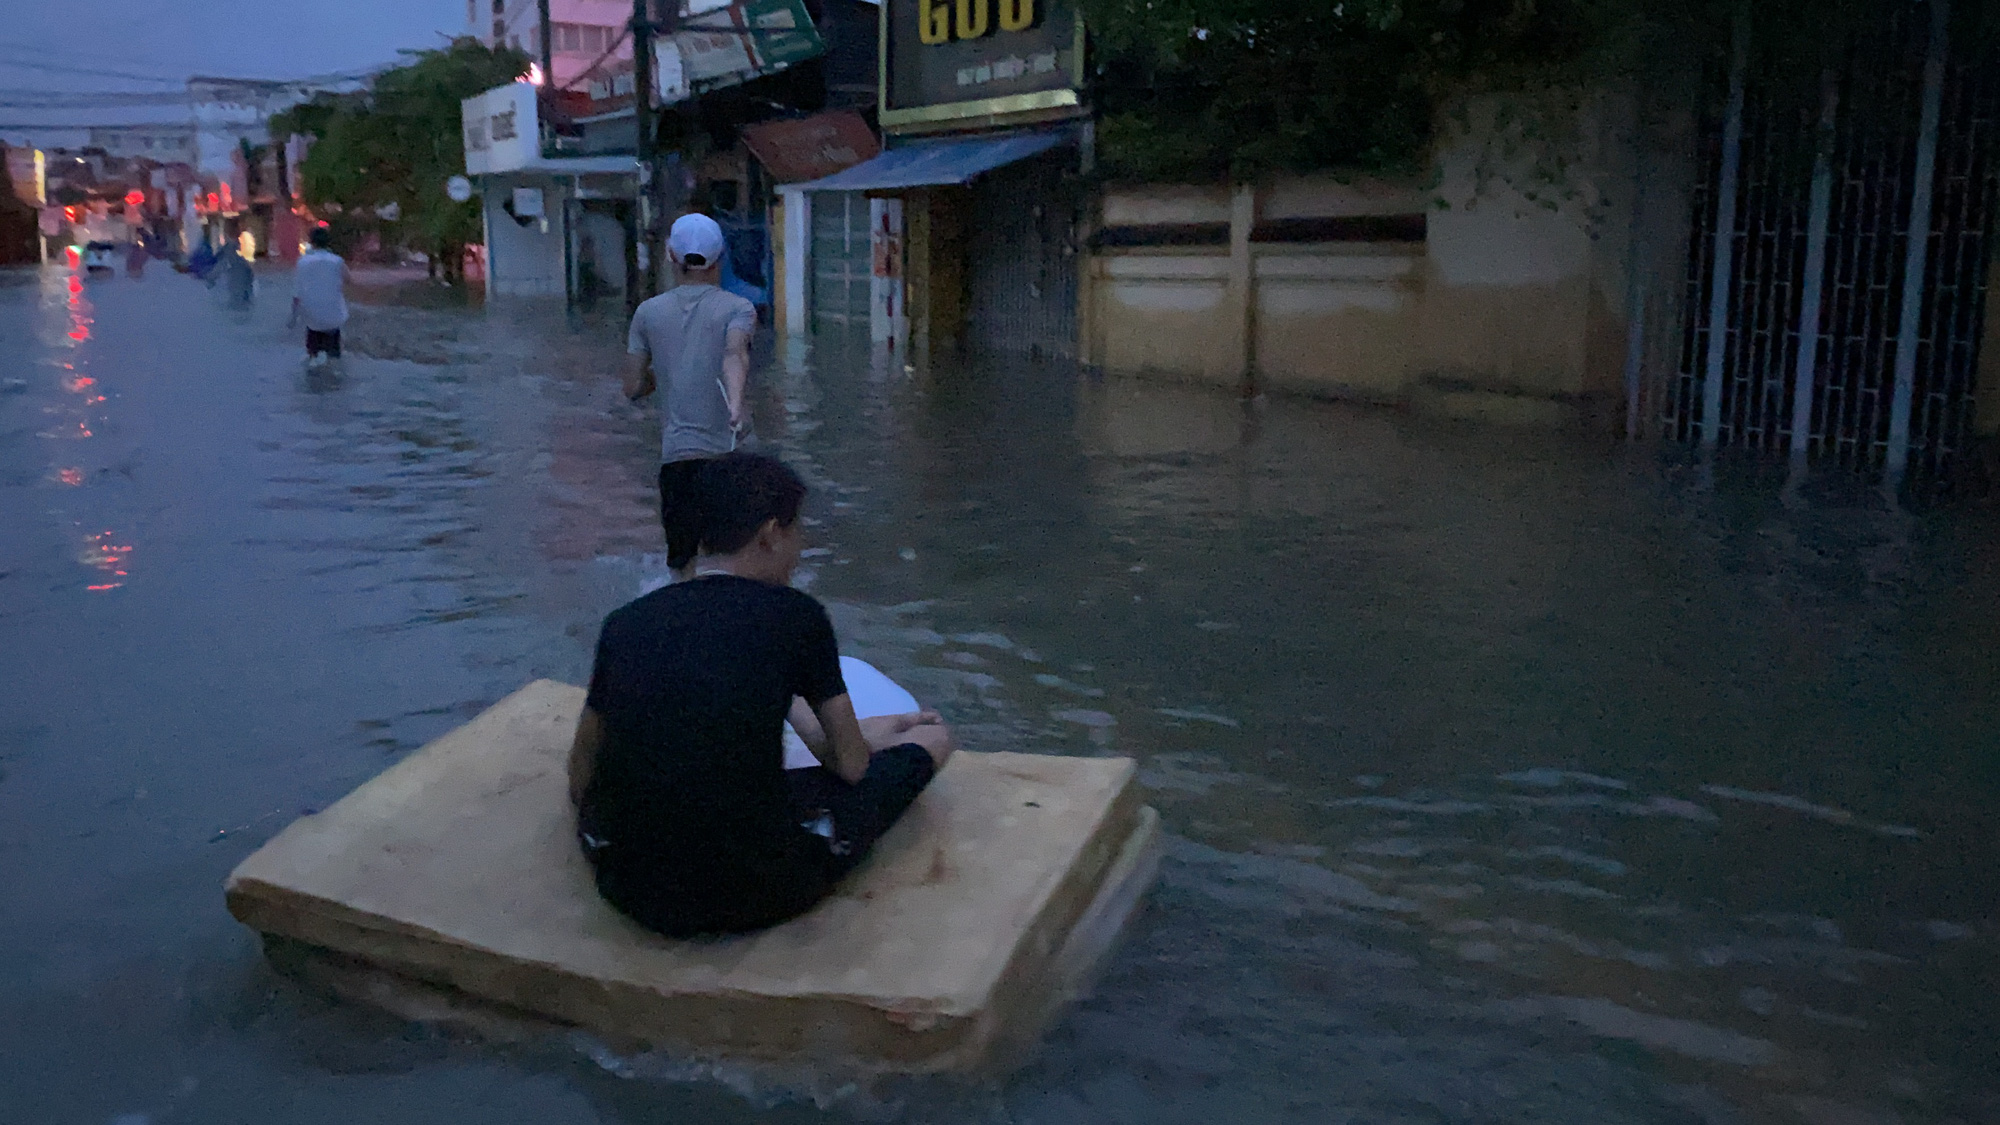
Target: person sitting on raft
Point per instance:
(684, 808)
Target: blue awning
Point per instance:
(928, 163)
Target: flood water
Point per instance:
(1509, 776)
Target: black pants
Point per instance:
(328, 342)
(680, 515)
(788, 878)
(862, 812)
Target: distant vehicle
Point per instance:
(97, 258)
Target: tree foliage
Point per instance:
(379, 159)
(1208, 89)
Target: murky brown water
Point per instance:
(1509, 777)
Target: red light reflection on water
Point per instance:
(81, 332)
(107, 558)
(79, 383)
(70, 476)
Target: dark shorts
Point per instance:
(802, 869)
(679, 517)
(317, 342)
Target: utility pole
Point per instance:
(548, 47)
(642, 113)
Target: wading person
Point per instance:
(684, 807)
(237, 278)
(694, 340)
(319, 298)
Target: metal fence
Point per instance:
(1022, 258)
(1814, 324)
(842, 258)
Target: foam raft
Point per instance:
(451, 887)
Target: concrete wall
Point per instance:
(1337, 320)
(1518, 289)
(1162, 312)
(524, 261)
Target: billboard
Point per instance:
(722, 45)
(949, 60)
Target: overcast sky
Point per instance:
(172, 39)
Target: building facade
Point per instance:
(584, 34)
(1711, 267)
(168, 143)
(1707, 266)
(732, 64)
(967, 220)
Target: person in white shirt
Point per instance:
(319, 298)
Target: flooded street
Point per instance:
(1509, 777)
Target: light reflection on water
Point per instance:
(1510, 778)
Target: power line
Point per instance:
(39, 50)
(89, 72)
(75, 127)
(350, 75)
(40, 99)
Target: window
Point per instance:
(583, 38)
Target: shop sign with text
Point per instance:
(732, 43)
(502, 129)
(947, 60)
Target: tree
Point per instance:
(379, 160)
(1207, 89)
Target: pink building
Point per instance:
(583, 31)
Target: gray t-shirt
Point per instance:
(685, 332)
(317, 282)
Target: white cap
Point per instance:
(696, 237)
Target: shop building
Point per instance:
(545, 218)
(968, 218)
(564, 210)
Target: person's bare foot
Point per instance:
(936, 739)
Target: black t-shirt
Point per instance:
(693, 682)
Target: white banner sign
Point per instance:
(502, 132)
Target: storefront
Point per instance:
(973, 210)
(554, 226)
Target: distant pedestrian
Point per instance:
(319, 297)
(235, 274)
(695, 339)
(202, 262)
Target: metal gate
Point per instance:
(842, 259)
(1818, 327)
(1021, 257)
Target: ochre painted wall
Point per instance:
(1336, 320)
(1516, 291)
